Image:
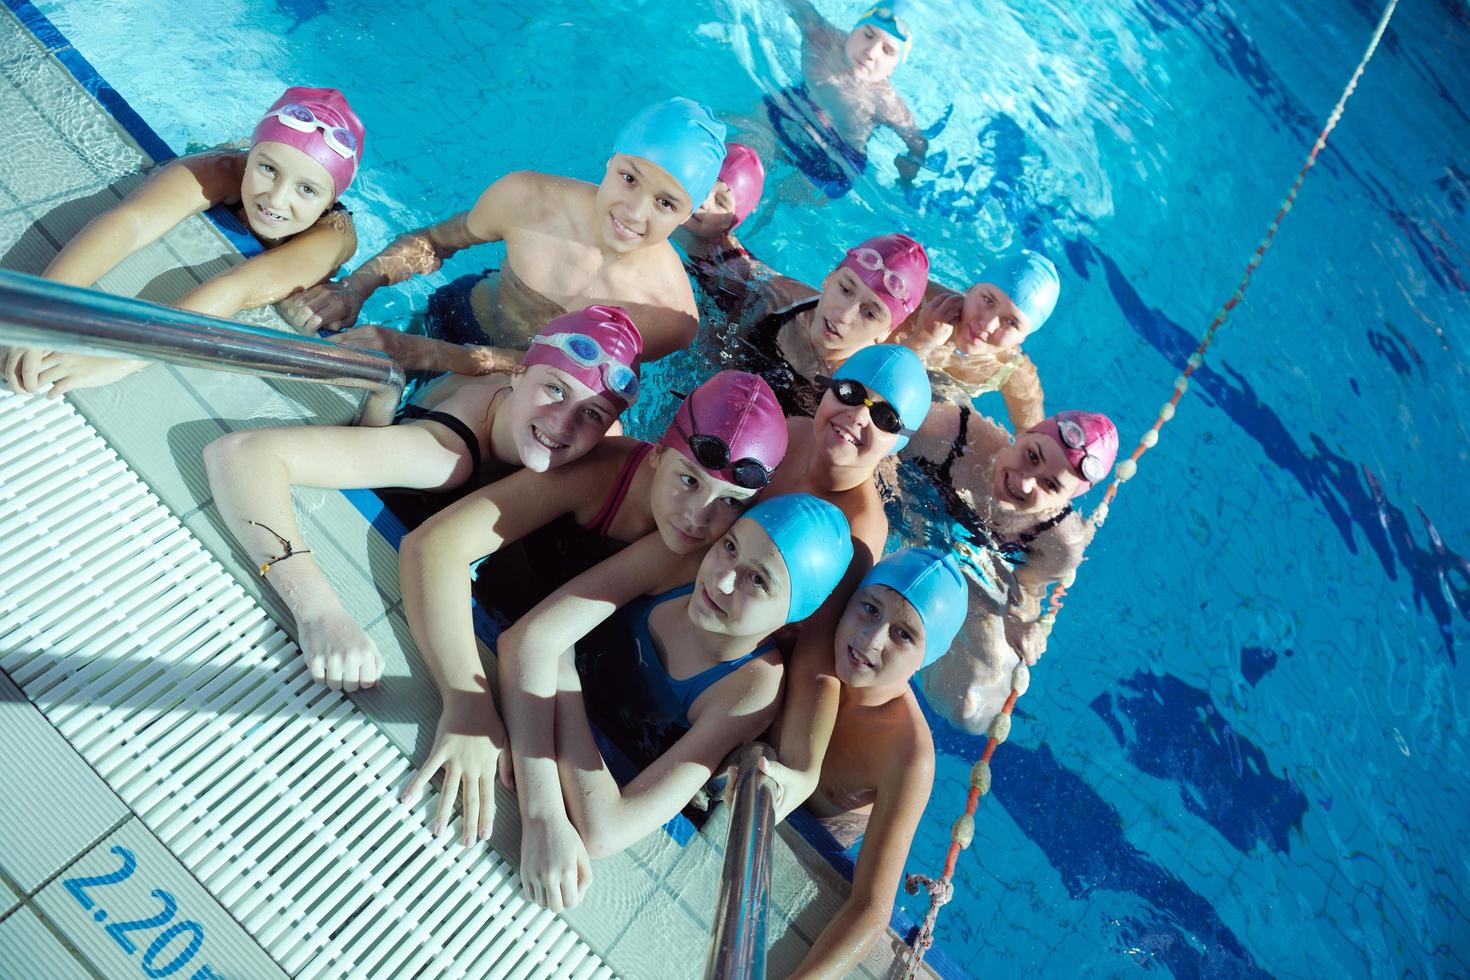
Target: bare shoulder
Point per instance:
(907, 759)
(531, 198)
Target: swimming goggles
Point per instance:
(850, 392)
(584, 351)
(872, 260)
(1092, 468)
(713, 453)
(339, 139)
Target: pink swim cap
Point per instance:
(739, 410)
(896, 268)
(1088, 439)
(745, 175)
(599, 346)
(319, 123)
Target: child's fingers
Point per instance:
(470, 787)
(446, 799)
(421, 779)
(487, 807)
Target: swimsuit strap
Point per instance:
(957, 446)
(602, 523)
(418, 412)
(687, 690)
(788, 313)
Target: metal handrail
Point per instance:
(36, 312)
(738, 940)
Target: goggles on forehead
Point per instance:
(852, 393)
(1092, 468)
(339, 139)
(585, 351)
(872, 260)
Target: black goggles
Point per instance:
(713, 453)
(852, 393)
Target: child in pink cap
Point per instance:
(1010, 514)
(800, 333)
(286, 189)
(722, 268)
(543, 415)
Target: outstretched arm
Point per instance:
(808, 19)
(336, 305)
(251, 474)
(863, 917)
(553, 861)
(304, 261)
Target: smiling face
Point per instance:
(879, 640)
(849, 316)
(1033, 475)
(691, 507)
(742, 588)
(990, 320)
(874, 54)
(555, 418)
(716, 216)
(284, 191)
(639, 203)
(846, 436)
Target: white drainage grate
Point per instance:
(278, 795)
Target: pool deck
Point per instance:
(72, 796)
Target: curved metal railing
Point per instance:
(36, 312)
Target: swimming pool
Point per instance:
(1237, 757)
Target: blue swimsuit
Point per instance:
(822, 164)
(669, 697)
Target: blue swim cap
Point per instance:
(681, 136)
(815, 542)
(1030, 280)
(886, 17)
(933, 584)
(896, 374)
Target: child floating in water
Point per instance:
(287, 190)
(876, 758)
(824, 122)
(1013, 524)
(720, 450)
(580, 374)
(809, 334)
(974, 339)
(695, 638)
(567, 243)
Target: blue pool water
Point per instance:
(1243, 754)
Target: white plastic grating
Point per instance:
(277, 794)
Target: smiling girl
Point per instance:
(809, 334)
(287, 188)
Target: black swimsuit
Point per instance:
(1014, 550)
(759, 352)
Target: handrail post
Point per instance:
(36, 312)
(738, 942)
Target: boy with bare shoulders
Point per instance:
(568, 244)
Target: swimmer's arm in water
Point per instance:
(251, 473)
(1023, 394)
(900, 119)
(733, 712)
(808, 19)
(553, 859)
(905, 778)
(336, 305)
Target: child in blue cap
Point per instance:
(568, 243)
(824, 122)
(870, 774)
(973, 339)
(695, 628)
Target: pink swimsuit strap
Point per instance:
(602, 523)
